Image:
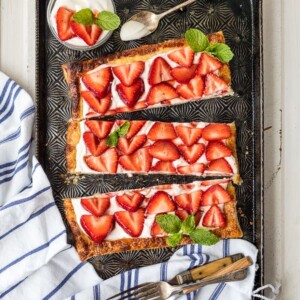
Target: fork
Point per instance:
(162, 290)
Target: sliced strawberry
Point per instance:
(131, 94)
(162, 131)
(214, 85)
(161, 92)
(189, 135)
(130, 201)
(63, 23)
(208, 64)
(139, 161)
(214, 218)
(156, 230)
(197, 168)
(164, 167)
(95, 145)
(129, 73)
(193, 153)
(100, 106)
(189, 201)
(97, 206)
(130, 146)
(183, 74)
(159, 71)
(105, 163)
(183, 57)
(164, 150)
(160, 202)
(97, 228)
(90, 34)
(98, 82)
(181, 214)
(220, 165)
(100, 128)
(215, 195)
(216, 131)
(131, 222)
(216, 149)
(135, 127)
(194, 89)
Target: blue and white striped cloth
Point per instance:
(35, 260)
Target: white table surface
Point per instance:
(282, 122)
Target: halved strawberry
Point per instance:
(156, 230)
(189, 201)
(161, 92)
(130, 146)
(194, 89)
(214, 218)
(192, 153)
(217, 149)
(189, 135)
(135, 127)
(131, 94)
(159, 71)
(139, 161)
(100, 128)
(129, 73)
(162, 131)
(97, 206)
(97, 228)
(100, 106)
(63, 23)
(208, 64)
(220, 166)
(105, 163)
(98, 82)
(183, 57)
(181, 214)
(160, 202)
(183, 74)
(95, 145)
(130, 201)
(216, 131)
(131, 222)
(215, 195)
(164, 150)
(90, 34)
(197, 168)
(214, 85)
(164, 167)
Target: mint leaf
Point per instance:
(169, 223)
(174, 239)
(203, 237)
(84, 16)
(221, 51)
(107, 20)
(188, 225)
(112, 140)
(124, 128)
(196, 39)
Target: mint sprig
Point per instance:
(113, 138)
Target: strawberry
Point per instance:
(63, 23)
(190, 201)
(129, 73)
(135, 127)
(184, 57)
(161, 92)
(162, 131)
(193, 153)
(100, 106)
(98, 82)
(197, 168)
(97, 228)
(216, 149)
(139, 161)
(194, 89)
(90, 34)
(130, 146)
(105, 163)
(214, 85)
(164, 150)
(183, 74)
(100, 128)
(214, 218)
(130, 201)
(220, 165)
(188, 135)
(131, 222)
(95, 145)
(160, 202)
(164, 167)
(216, 131)
(208, 64)
(97, 206)
(131, 94)
(215, 195)
(159, 71)
(156, 230)
(181, 214)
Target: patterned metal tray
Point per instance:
(240, 21)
